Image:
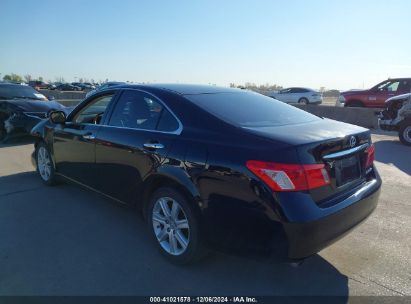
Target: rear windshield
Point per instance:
(248, 109)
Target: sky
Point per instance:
(316, 43)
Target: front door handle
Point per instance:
(89, 136)
(153, 145)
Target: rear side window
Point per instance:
(247, 109)
(167, 122)
(138, 110)
(405, 86)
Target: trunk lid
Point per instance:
(339, 146)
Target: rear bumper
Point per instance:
(308, 238)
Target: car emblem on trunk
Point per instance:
(353, 141)
(331, 164)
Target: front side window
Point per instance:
(93, 111)
(138, 110)
(285, 91)
(390, 86)
(393, 87)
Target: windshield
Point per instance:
(10, 91)
(248, 109)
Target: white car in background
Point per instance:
(298, 95)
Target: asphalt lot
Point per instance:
(64, 240)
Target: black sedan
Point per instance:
(21, 108)
(214, 167)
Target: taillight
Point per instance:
(290, 177)
(370, 156)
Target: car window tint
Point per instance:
(136, 110)
(96, 107)
(390, 86)
(248, 109)
(393, 87)
(167, 123)
(405, 85)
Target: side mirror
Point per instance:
(51, 98)
(58, 117)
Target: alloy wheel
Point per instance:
(171, 226)
(44, 163)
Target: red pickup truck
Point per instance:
(377, 95)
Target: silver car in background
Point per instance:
(298, 95)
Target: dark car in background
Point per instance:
(213, 167)
(67, 87)
(377, 95)
(21, 108)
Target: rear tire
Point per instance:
(44, 165)
(303, 101)
(404, 133)
(174, 227)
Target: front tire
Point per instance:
(303, 101)
(174, 226)
(44, 165)
(404, 133)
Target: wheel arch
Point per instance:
(176, 178)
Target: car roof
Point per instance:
(183, 89)
(400, 78)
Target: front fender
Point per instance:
(38, 130)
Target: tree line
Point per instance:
(27, 78)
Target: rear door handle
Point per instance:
(89, 136)
(153, 145)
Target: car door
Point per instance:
(284, 95)
(384, 91)
(74, 144)
(133, 144)
(293, 95)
